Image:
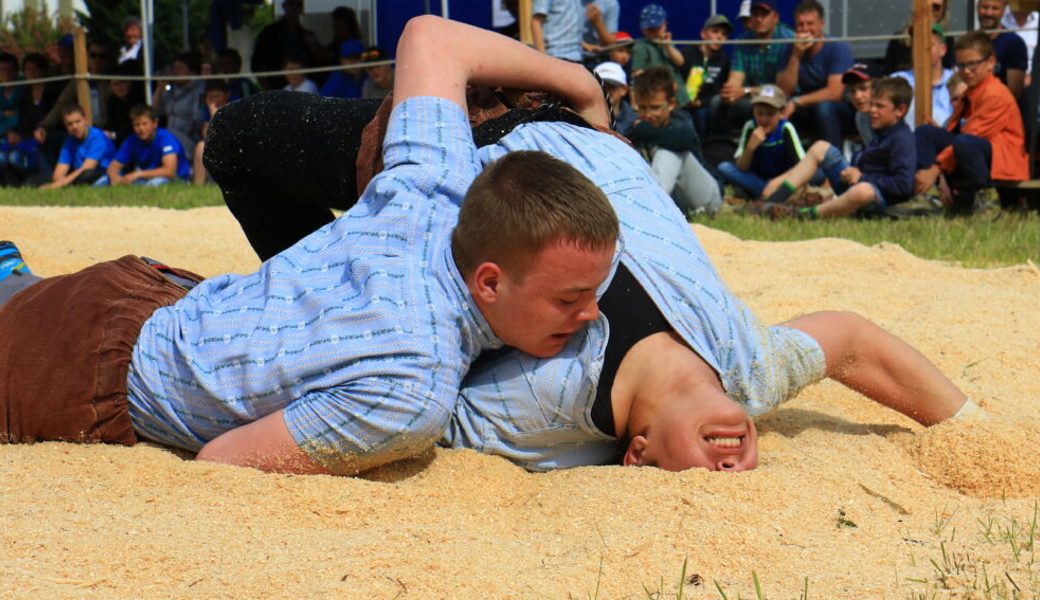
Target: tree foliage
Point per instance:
(30, 29)
(104, 20)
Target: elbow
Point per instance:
(418, 29)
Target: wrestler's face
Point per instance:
(710, 431)
(554, 299)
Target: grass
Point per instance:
(1009, 240)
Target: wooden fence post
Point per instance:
(82, 87)
(921, 44)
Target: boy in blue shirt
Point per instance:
(769, 145)
(881, 175)
(86, 153)
(155, 154)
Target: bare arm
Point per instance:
(1016, 79)
(787, 80)
(168, 169)
(829, 93)
(882, 367)
(538, 32)
(115, 173)
(265, 444)
(733, 89)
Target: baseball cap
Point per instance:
(770, 95)
(860, 72)
(718, 21)
(622, 37)
(351, 49)
(770, 4)
(745, 10)
(652, 16)
(612, 72)
(938, 30)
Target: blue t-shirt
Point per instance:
(834, 58)
(148, 155)
(96, 146)
(1011, 53)
(341, 85)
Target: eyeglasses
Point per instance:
(970, 65)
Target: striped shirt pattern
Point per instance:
(537, 412)
(361, 331)
(563, 26)
(760, 63)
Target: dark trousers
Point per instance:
(825, 121)
(973, 154)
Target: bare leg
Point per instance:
(801, 173)
(852, 200)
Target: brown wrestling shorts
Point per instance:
(65, 349)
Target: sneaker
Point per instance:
(11, 261)
(987, 205)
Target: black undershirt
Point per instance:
(632, 316)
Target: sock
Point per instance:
(807, 212)
(782, 193)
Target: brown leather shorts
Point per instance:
(65, 349)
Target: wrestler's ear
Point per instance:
(634, 454)
(486, 282)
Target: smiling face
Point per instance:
(990, 13)
(718, 34)
(809, 23)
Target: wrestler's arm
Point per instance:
(879, 365)
(265, 444)
(468, 55)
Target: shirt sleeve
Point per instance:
(841, 58)
(791, 361)
(169, 145)
(540, 7)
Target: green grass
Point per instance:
(1009, 240)
(177, 196)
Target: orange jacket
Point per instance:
(993, 114)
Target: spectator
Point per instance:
(178, 104)
(37, 98)
(601, 23)
(857, 88)
(284, 37)
(154, 154)
(298, 82)
(19, 158)
(621, 51)
(657, 49)
(881, 176)
(346, 83)
(229, 63)
(85, 154)
(898, 56)
(217, 96)
(98, 61)
(956, 88)
(1025, 21)
(769, 145)
(50, 131)
(10, 96)
(379, 79)
(941, 106)
(123, 96)
(615, 82)
(812, 74)
(345, 27)
(666, 137)
(983, 140)
(753, 66)
(131, 49)
(556, 26)
(705, 69)
(1009, 49)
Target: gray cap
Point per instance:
(770, 95)
(719, 20)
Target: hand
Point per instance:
(788, 109)
(731, 92)
(131, 177)
(665, 39)
(925, 178)
(851, 175)
(590, 48)
(592, 13)
(40, 134)
(755, 139)
(803, 45)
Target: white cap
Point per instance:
(745, 9)
(612, 72)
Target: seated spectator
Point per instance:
(286, 36)
(983, 140)
(98, 63)
(621, 51)
(857, 89)
(705, 68)
(882, 175)
(37, 98)
(347, 82)
(956, 88)
(153, 155)
(556, 27)
(10, 96)
(179, 104)
(131, 49)
(769, 145)
(229, 63)
(379, 79)
(217, 96)
(1008, 48)
(941, 106)
(601, 23)
(85, 154)
(666, 137)
(298, 82)
(899, 57)
(616, 84)
(753, 66)
(123, 96)
(657, 49)
(19, 158)
(345, 27)
(811, 74)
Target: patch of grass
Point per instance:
(1011, 239)
(175, 196)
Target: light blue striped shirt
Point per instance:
(562, 29)
(537, 412)
(361, 331)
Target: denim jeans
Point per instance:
(745, 180)
(689, 184)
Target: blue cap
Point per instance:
(652, 16)
(351, 49)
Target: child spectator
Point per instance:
(229, 63)
(956, 88)
(857, 88)
(298, 82)
(657, 49)
(616, 84)
(941, 106)
(179, 103)
(769, 145)
(379, 79)
(881, 176)
(155, 154)
(123, 96)
(19, 157)
(621, 52)
(217, 96)
(346, 83)
(85, 154)
(983, 139)
(705, 68)
(666, 137)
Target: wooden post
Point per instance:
(524, 16)
(921, 44)
(79, 46)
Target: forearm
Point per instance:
(830, 93)
(787, 80)
(674, 55)
(744, 160)
(538, 33)
(115, 173)
(265, 444)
